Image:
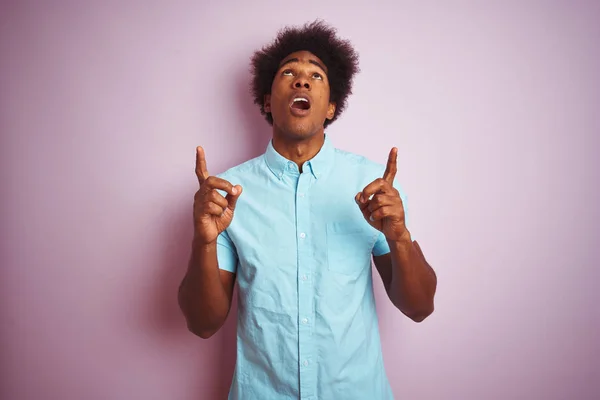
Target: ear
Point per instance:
(267, 103)
(331, 111)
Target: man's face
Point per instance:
(299, 99)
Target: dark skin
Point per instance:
(299, 138)
(409, 280)
(206, 291)
(205, 294)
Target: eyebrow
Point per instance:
(314, 62)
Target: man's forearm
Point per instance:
(202, 297)
(413, 283)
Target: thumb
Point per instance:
(363, 206)
(232, 199)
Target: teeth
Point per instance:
(300, 99)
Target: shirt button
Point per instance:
(304, 277)
(302, 235)
(305, 363)
(305, 321)
(301, 194)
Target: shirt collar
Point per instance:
(318, 165)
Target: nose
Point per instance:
(302, 82)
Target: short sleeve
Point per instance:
(381, 246)
(226, 253)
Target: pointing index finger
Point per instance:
(201, 171)
(391, 168)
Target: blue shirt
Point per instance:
(307, 326)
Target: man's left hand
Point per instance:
(381, 204)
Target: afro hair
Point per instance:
(339, 57)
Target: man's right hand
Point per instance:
(212, 212)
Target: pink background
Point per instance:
(494, 107)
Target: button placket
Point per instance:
(305, 289)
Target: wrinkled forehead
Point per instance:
(303, 57)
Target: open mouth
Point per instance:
(300, 103)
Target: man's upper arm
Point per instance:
(383, 264)
(227, 258)
(227, 255)
(228, 282)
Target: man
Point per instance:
(296, 227)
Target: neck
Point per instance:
(298, 150)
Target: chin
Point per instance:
(300, 130)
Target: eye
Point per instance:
(316, 75)
(287, 72)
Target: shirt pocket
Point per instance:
(349, 246)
